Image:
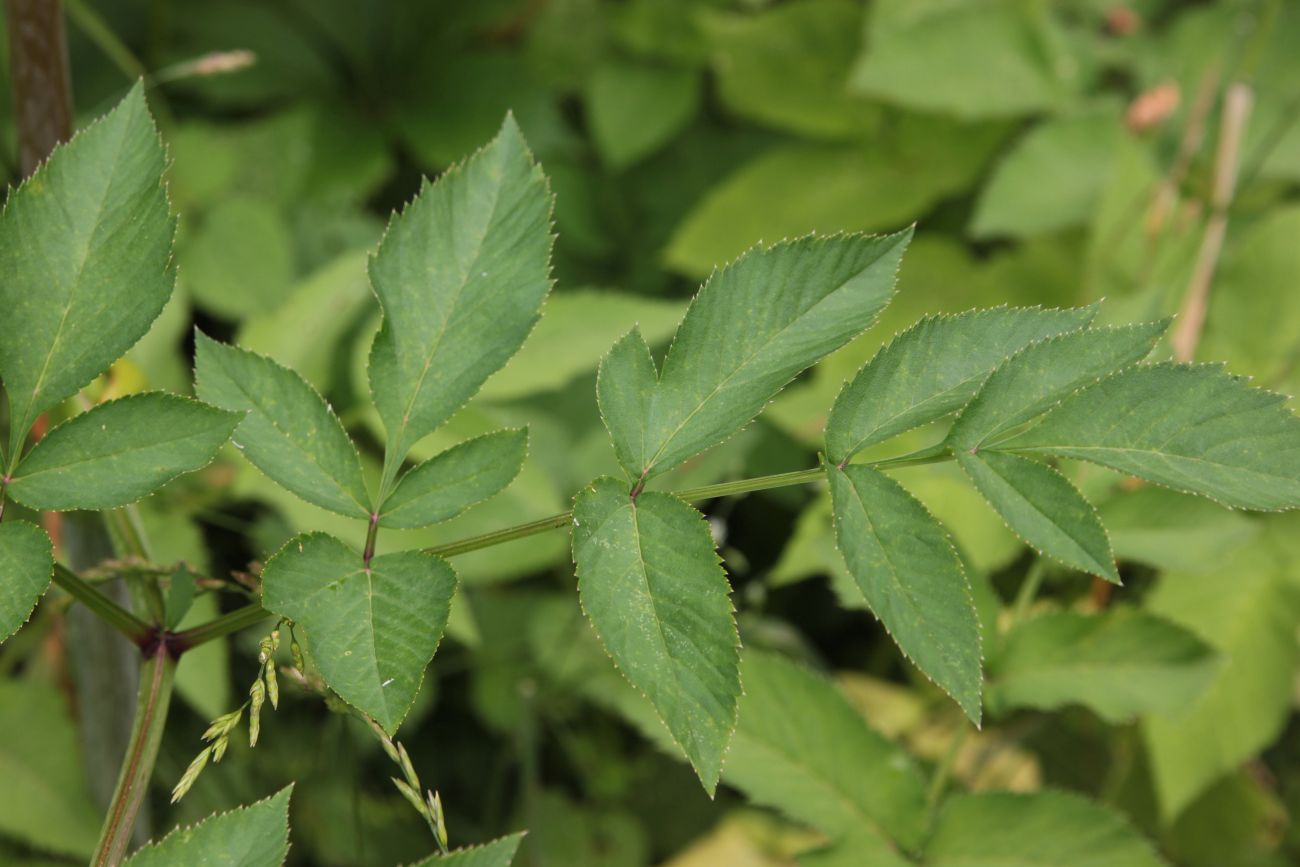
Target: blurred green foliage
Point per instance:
(676, 134)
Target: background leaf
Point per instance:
(1119, 663)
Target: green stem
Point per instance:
(156, 680)
(226, 624)
(943, 773)
(1028, 589)
(115, 615)
(251, 614)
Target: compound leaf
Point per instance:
(650, 582)
(371, 629)
(1190, 427)
(461, 276)
(449, 483)
(85, 247)
(753, 326)
(1038, 376)
(801, 747)
(120, 451)
(1042, 829)
(252, 836)
(1120, 663)
(907, 569)
(1044, 509)
(26, 561)
(933, 368)
(288, 431)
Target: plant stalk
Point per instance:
(157, 676)
(115, 615)
(249, 615)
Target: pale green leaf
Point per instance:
(753, 326)
(85, 247)
(448, 483)
(234, 286)
(1169, 530)
(120, 451)
(44, 801)
(1038, 376)
(1120, 663)
(461, 276)
(252, 836)
(650, 582)
(1042, 829)
(785, 66)
(933, 368)
(288, 431)
(911, 577)
(1051, 179)
(789, 190)
(634, 108)
(574, 334)
(498, 853)
(1044, 509)
(1251, 620)
(1193, 428)
(370, 629)
(26, 561)
(970, 59)
(801, 748)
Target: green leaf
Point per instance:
(634, 108)
(801, 748)
(1169, 530)
(911, 577)
(1044, 509)
(85, 247)
(1120, 663)
(449, 483)
(288, 431)
(1251, 621)
(784, 66)
(1043, 829)
(120, 451)
(26, 563)
(44, 801)
(256, 280)
(1193, 428)
(461, 276)
(969, 59)
(753, 326)
(498, 853)
(1038, 376)
(1051, 179)
(790, 190)
(650, 582)
(933, 368)
(371, 629)
(252, 836)
(575, 334)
